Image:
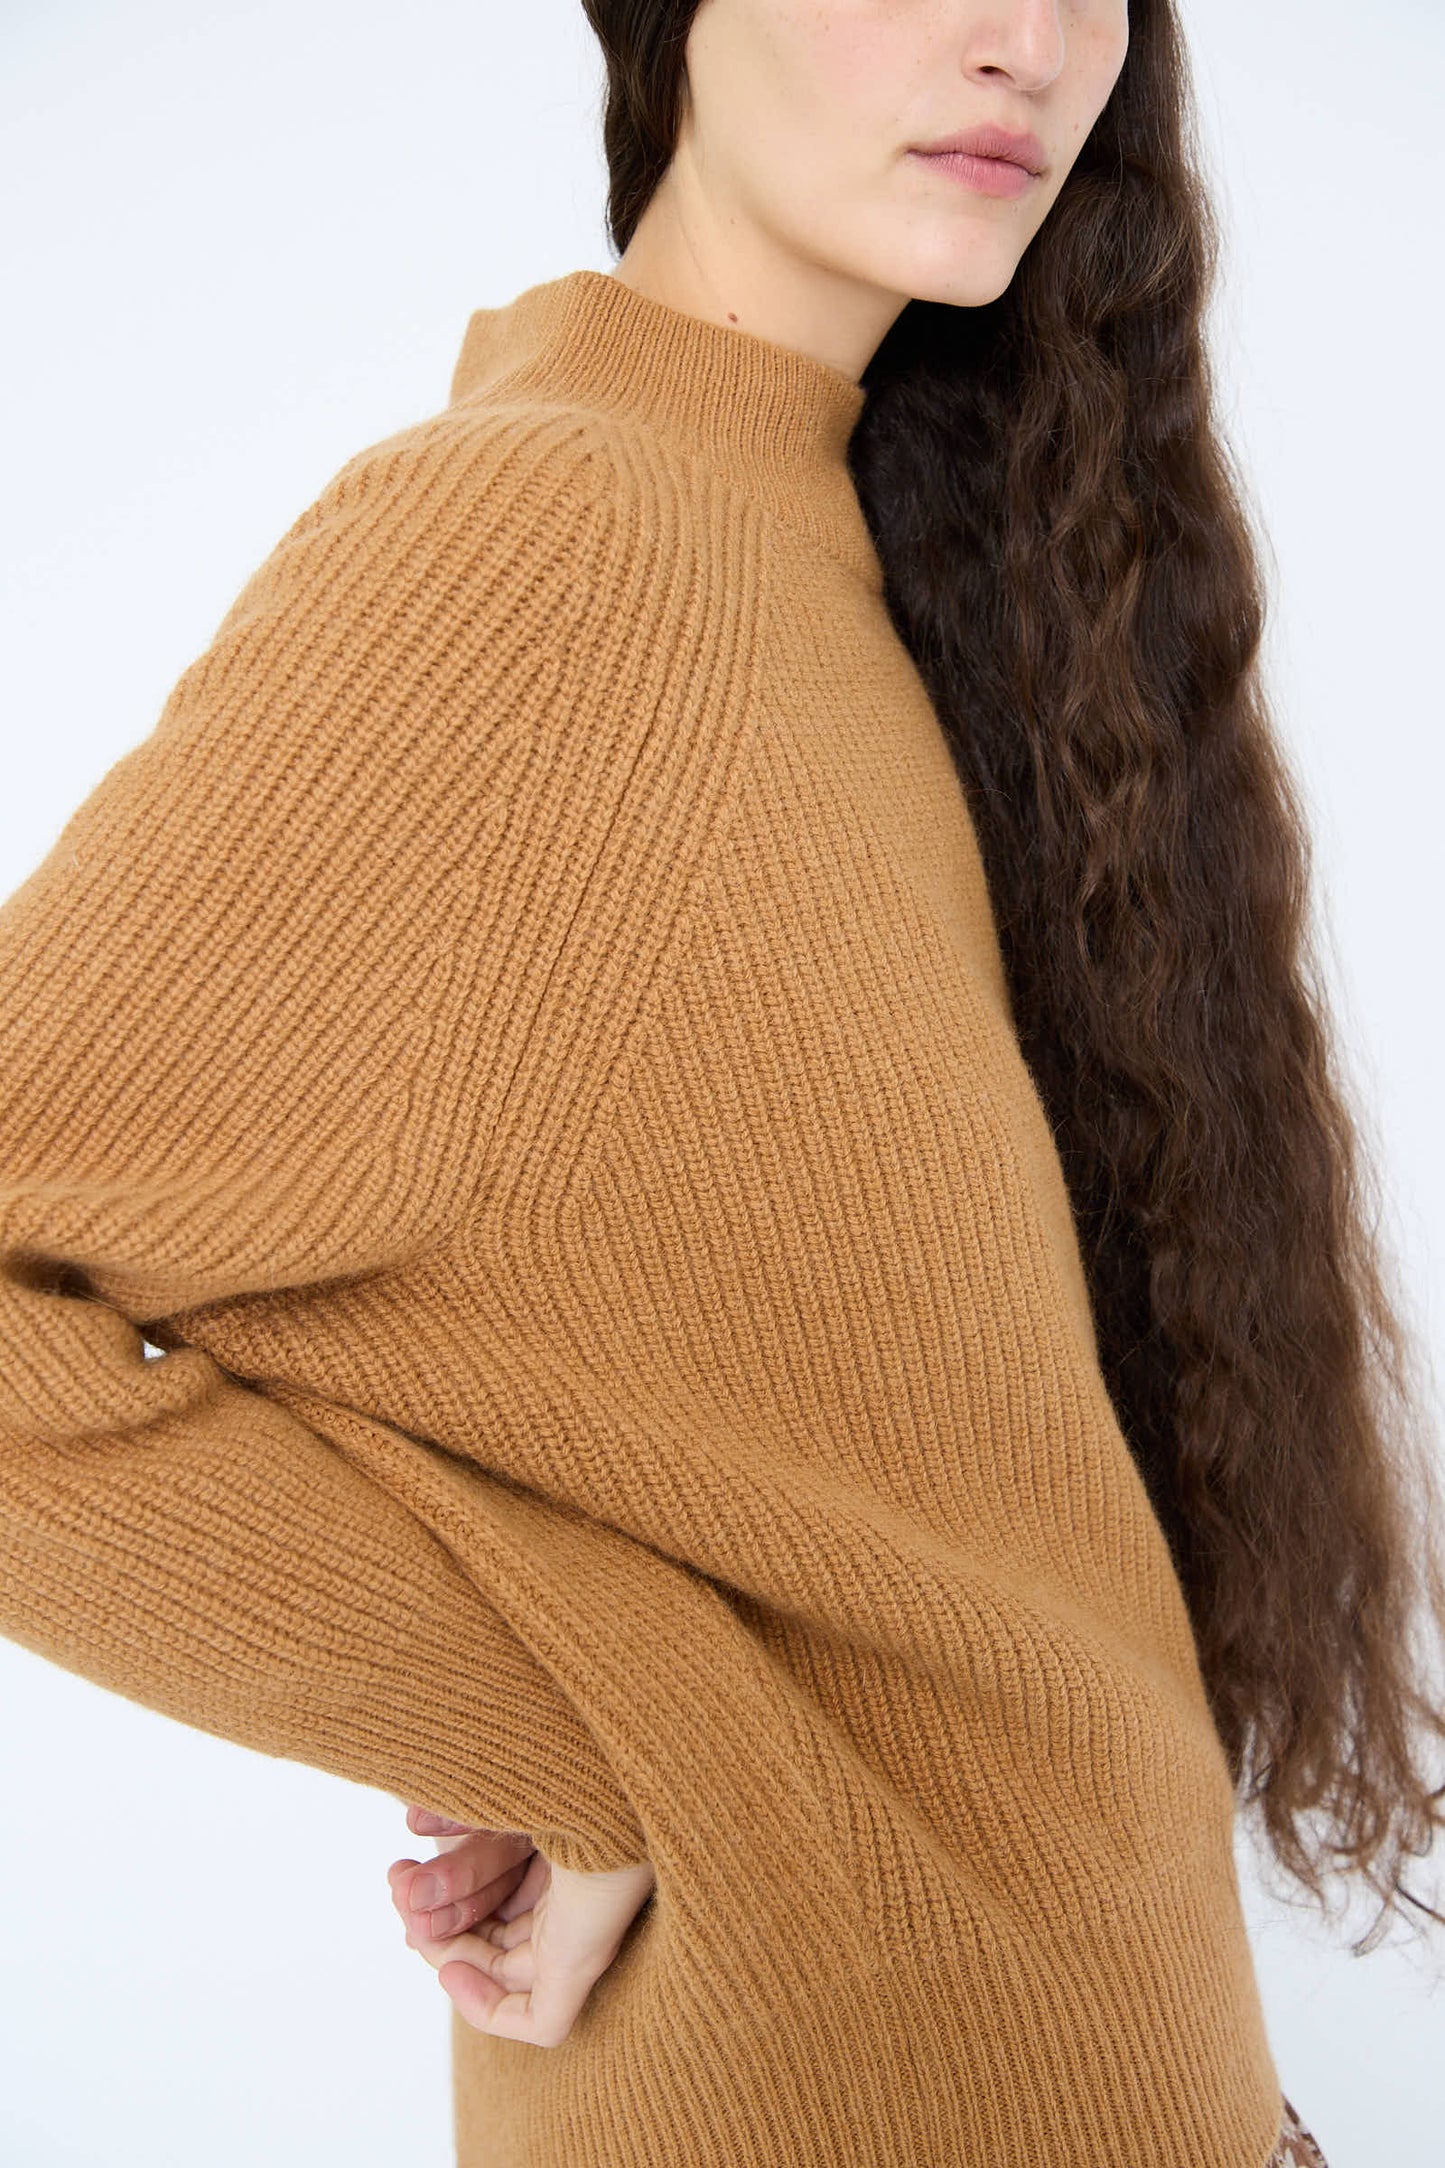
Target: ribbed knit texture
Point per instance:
(526, 1035)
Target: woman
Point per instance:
(568, 1039)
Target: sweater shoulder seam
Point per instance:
(689, 881)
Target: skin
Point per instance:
(516, 1940)
(793, 209)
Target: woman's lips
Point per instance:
(989, 176)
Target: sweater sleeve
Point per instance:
(235, 1059)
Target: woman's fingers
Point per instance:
(474, 1869)
(537, 1969)
(521, 1900)
(423, 1823)
(504, 1991)
(498, 1991)
(542, 2015)
(440, 1900)
(470, 1874)
(517, 1943)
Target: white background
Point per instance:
(243, 243)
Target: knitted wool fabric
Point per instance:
(525, 1036)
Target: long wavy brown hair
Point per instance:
(1069, 560)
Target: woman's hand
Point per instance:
(516, 1941)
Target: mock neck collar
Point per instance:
(773, 421)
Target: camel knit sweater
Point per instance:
(535, 1277)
